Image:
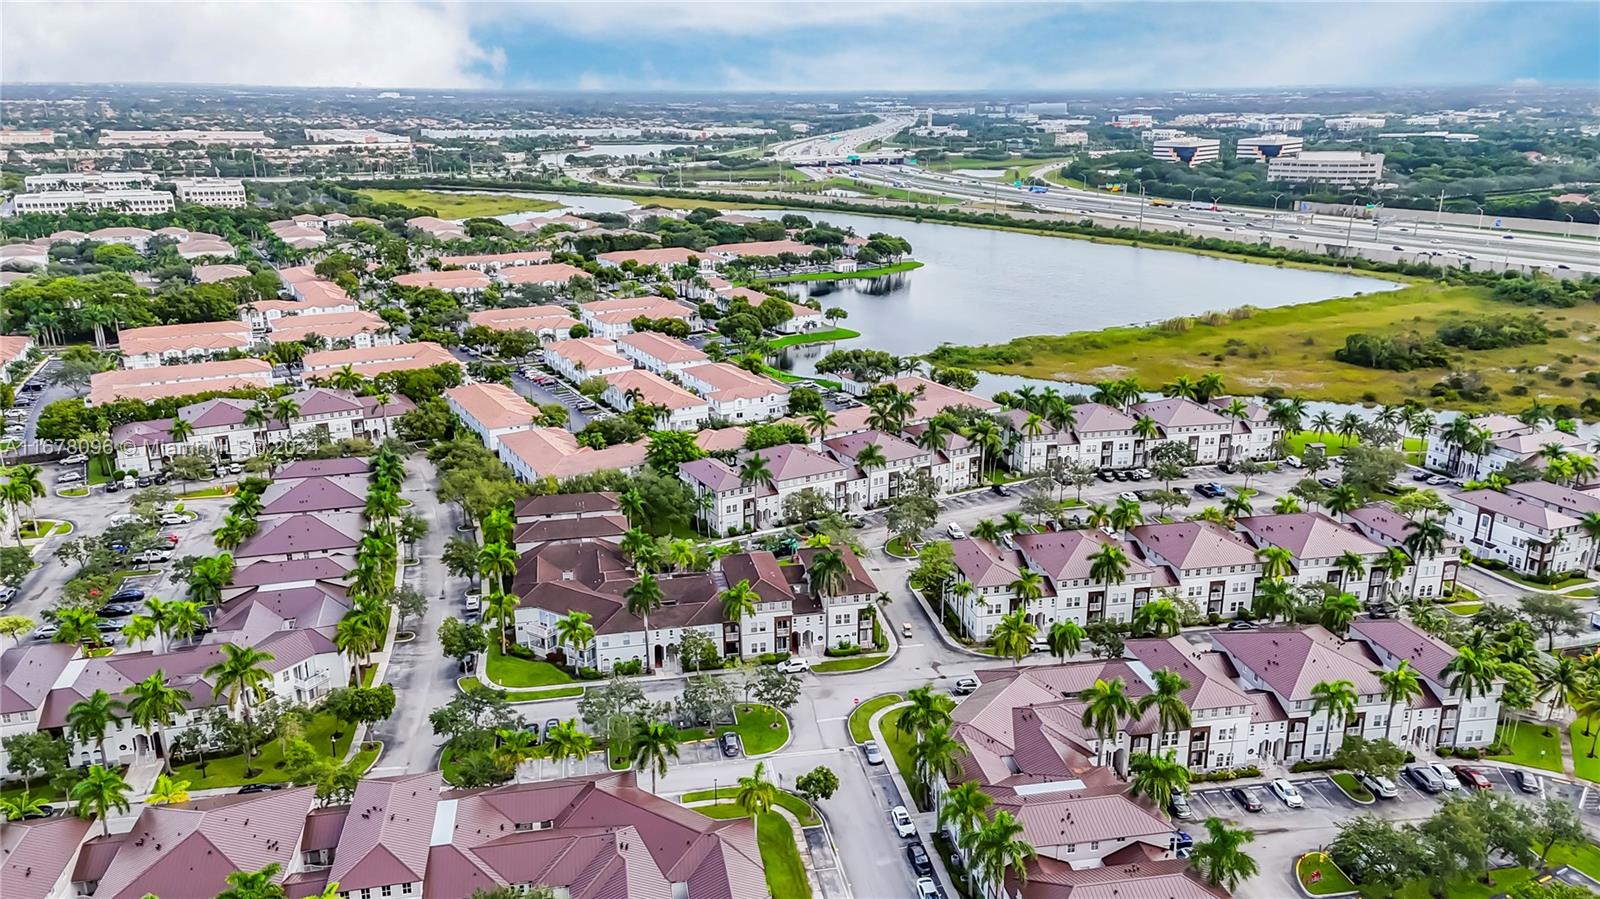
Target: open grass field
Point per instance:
(1530, 746)
(1291, 348)
(756, 730)
(823, 336)
(460, 206)
(228, 770)
(892, 269)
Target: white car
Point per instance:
(6, 593)
(75, 459)
(1378, 785)
(69, 477)
(175, 518)
(473, 600)
(1286, 792)
(1451, 783)
(872, 752)
(927, 888)
(955, 531)
(1129, 496)
(793, 666)
(1293, 462)
(902, 822)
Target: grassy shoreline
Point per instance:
(1291, 348)
(877, 271)
(831, 335)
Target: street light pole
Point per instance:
(1192, 192)
(1141, 208)
(1570, 222)
(1275, 198)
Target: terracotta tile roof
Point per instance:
(35, 854)
(209, 336)
(298, 274)
(494, 406)
(523, 318)
(373, 361)
(625, 309)
(593, 353)
(179, 380)
(762, 248)
(729, 382)
(329, 326)
(664, 257)
(662, 347)
(654, 389)
(207, 274)
(318, 294)
(1190, 545)
(714, 440)
(555, 273)
(1291, 662)
(454, 279)
(520, 258)
(554, 452)
(1307, 535)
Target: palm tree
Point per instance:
(185, 619)
(262, 884)
(653, 743)
(356, 637)
(1424, 539)
(1013, 635)
(1157, 618)
(515, 747)
(1172, 712)
(1065, 638)
(1351, 566)
(963, 813)
(643, 598)
(1276, 562)
(98, 792)
(208, 577)
(501, 608)
(1106, 703)
(1157, 776)
(935, 753)
(1400, 684)
(1180, 386)
(1338, 700)
(633, 506)
(241, 677)
(23, 805)
(997, 848)
(154, 704)
(90, 718)
(928, 709)
(256, 418)
(498, 560)
(1323, 424)
(565, 742)
(827, 574)
(1028, 587)
(77, 625)
(138, 629)
(1559, 684)
(181, 430)
(1286, 505)
(818, 423)
(1221, 858)
(753, 470)
(1237, 504)
(756, 793)
(1108, 565)
(168, 791)
(1338, 611)
(986, 434)
(1471, 673)
(738, 601)
(987, 529)
(871, 456)
(285, 410)
(574, 630)
(1342, 499)
(346, 379)
(1126, 515)
(1275, 597)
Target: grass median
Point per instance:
(861, 716)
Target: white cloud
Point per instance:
(342, 43)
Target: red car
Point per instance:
(1470, 777)
(172, 539)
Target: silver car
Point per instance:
(873, 753)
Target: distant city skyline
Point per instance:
(863, 48)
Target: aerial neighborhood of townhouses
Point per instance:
(1079, 496)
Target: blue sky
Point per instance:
(799, 46)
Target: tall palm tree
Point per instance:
(987, 529)
(285, 410)
(1106, 704)
(168, 791)
(1172, 712)
(565, 742)
(818, 423)
(185, 619)
(1108, 565)
(997, 848)
(756, 794)
(1157, 618)
(935, 753)
(643, 598)
(1276, 562)
(515, 746)
(355, 636)
(1424, 539)
(77, 625)
(501, 608)
(738, 601)
(827, 573)
(1221, 858)
(574, 630)
(1338, 700)
(928, 709)
(1013, 635)
(653, 743)
(497, 560)
(1338, 611)
(1400, 684)
(90, 718)
(871, 456)
(1286, 505)
(1471, 673)
(963, 813)
(1126, 515)
(1351, 566)
(98, 792)
(1275, 597)
(1559, 684)
(153, 704)
(753, 471)
(1028, 587)
(241, 677)
(208, 577)
(1342, 499)
(1065, 638)
(1158, 777)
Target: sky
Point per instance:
(802, 46)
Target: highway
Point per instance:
(842, 143)
(1387, 241)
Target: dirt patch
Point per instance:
(1105, 372)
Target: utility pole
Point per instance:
(1140, 226)
(1350, 228)
(1438, 216)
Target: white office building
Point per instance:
(137, 202)
(88, 181)
(1355, 123)
(225, 192)
(1268, 147)
(1190, 151)
(1328, 166)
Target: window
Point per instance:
(386, 890)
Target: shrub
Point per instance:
(839, 652)
(629, 668)
(771, 658)
(1470, 753)
(587, 673)
(1317, 765)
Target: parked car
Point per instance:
(44, 632)
(75, 459)
(43, 811)
(872, 752)
(1180, 807)
(153, 555)
(173, 518)
(69, 477)
(1128, 495)
(732, 746)
(1527, 782)
(1471, 777)
(116, 610)
(1143, 474)
(472, 601)
(926, 887)
(1287, 793)
(1420, 475)
(6, 593)
(1425, 778)
(1211, 490)
(1293, 462)
(1328, 482)
(964, 686)
(918, 856)
(261, 788)
(1378, 785)
(1247, 797)
(1001, 489)
(902, 822)
(793, 666)
(955, 531)
(128, 594)
(1445, 777)
(1104, 475)
(1239, 624)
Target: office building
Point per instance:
(89, 181)
(1190, 151)
(183, 135)
(1328, 167)
(1355, 123)
(1268, 147)
(226, 192)
(138, 202)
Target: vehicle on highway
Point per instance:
(927, 889)
(1471, 777)
(902, 822)
(793, 666)
(918, 857)
(1246, 796)
(1378, 785)
(1527, 782)
(1180, 807)
(955, 531)
(964, 686)
(732, 746)
(173, 518)
(872, 752)
(1426, 779)
(1287, 793)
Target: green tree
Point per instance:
(1013, 635)
(99, 792)
(1337, 700)
(153, 704)
(92, 717)
(1158, 777)
(1221, 857)
(652, 745)
(756, 793)
(1106, 704)
(241, 677)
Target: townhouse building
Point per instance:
(1431, 576)
(1523, 533)
(13, 349)
(179, 380)
(663, 258)
(1202, 563)
(491, 411)
(370, 362)
(659, 353)
(684, 411)
(211, 274)
(549, 323)
(567, 518)
(437, 228)
(580, 358)
(1255, 435)
(734, 394)
(1503, 440)
(614, 317)
(727, 504)
(456, 281)
(953, 468)
(1316, 545)
(494, 262)
(358, 330)
(1207, 433)
(1069, 591)
(539, 454)
(1458, 720)
(722, 254)
(172, 344)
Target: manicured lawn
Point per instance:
(75, 491)
(455, 206)
(228, 770)
(796, 805)
(98, 474)
(852, 663)
(722, 810)
(786, 874)
(1571, 581)
(899, 746)
(897, 547)
(1291, 348)
(1320, 876)
(1585, 857)
(209, 492)
(862, 715)
(825, 336)
(511, 671)
(469, 683)
(1530, 747)
(779, 374)
(1336, 443)
(755, 728)
(41, 790)
(872, 272)
(1347, 782)
(1465, 608)
(1587, 768)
